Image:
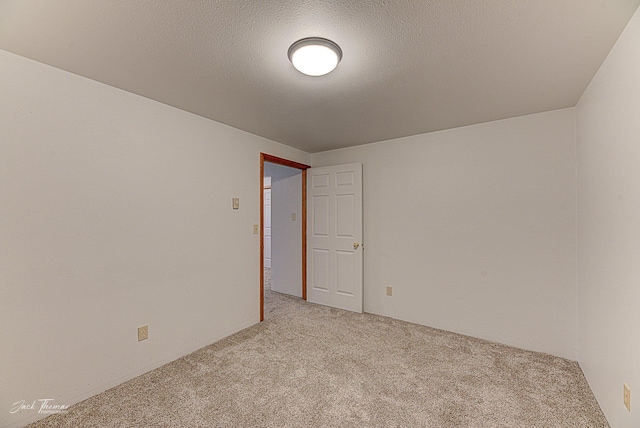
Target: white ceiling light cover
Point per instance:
(315, 56)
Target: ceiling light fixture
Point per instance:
(315, 56)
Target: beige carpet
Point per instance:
(312, 366)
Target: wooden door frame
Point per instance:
(264, 157)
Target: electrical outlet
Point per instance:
(143, 333)
(627, 397)
(389, 291)
(236, 203)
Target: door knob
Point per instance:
(355, 245)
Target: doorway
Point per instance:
(301, 170)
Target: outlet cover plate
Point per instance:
(627, 397)
(143, 333)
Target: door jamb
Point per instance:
(285, 162)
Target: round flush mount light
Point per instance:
(315, 56)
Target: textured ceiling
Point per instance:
(409, 67)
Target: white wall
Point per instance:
(608, 136)
(475, 228)
(116, 212)
(286, 234)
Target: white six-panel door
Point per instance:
(334, 236)
(267, 227)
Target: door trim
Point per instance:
(264, 157)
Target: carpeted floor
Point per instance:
(313, 366)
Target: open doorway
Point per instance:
(291, 220)
(282, 229)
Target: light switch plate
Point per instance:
(236, 203)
